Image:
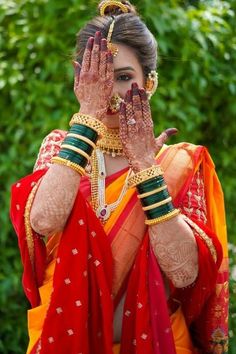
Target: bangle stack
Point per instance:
(80, 142)
(154, 196)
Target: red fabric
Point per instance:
(161, 329)
(194, 298)
(33, 273)
(197, 299)
(80, 315)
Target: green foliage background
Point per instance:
(197, 94)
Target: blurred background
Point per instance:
(197, 94)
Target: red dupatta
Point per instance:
(95, 317)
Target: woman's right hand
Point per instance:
(94, 79)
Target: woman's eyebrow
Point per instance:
(124, 68)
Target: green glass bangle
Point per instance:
(150, 185)
(159, 211)
(85, 131)
(79, 144)
(69, 155)
(154, 198)
(73, 157)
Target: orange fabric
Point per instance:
(182, 339)
(175, 175)
(116, 349)
(128, 238)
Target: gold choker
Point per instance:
(110, 143)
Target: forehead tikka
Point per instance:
(111, 46)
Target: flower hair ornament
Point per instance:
(151, 84)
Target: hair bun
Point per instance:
(115, 8)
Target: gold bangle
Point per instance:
(156, 205)
(88, 121)
(72, 165)
(163, 218)
(75, 149)
(83, 138)
(110, 3)
(145, 175)
(157, 190)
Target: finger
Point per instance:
(130, 119)
(137, 105)
(110, 66)
(171, 131)
(123, 124)
(87, 55)
(164, 136)
(146, 110)
(77, 69)
(95, 55)
(103, 58)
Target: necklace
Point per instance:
(110, 143)
(98, 188)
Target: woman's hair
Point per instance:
(129, 30)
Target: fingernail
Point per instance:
(134, 85)
(143, 94)
(103, 44)
(128, 97)
(171, 131)
(90, 43)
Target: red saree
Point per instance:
(94, 265)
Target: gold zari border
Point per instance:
(28, 229)
(203, 236)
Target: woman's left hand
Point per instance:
(136, 130)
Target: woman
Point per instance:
(135, 259)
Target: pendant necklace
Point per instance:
(98, 188)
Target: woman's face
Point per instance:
(127, 70)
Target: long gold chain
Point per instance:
(94, 180)
(98, 187)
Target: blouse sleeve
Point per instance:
(49, 148)
(194, 203)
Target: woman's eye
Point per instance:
(123, 77)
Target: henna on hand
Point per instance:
(94, 80)
(175, 247)
(136, 130)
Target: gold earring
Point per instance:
(151, 83)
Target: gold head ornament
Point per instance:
(112, 4)
(111, 46)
